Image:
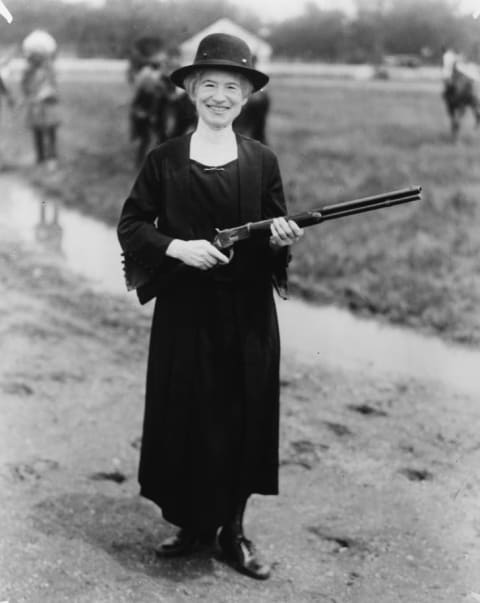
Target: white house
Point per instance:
(259, 47)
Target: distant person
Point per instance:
(158, 110)
(211, 425)
(148, 91)
(5, 92)
(5, 95)
(144, 73)
(449, 61)
(143, 51)
(460, 88)
(40, 91)
(454, 65)
(252, 120)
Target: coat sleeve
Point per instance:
(143, 245)
(274, 205)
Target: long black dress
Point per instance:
(210, 433)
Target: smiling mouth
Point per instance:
(217, 108)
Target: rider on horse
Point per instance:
(460, 88)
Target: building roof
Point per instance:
(259, 47)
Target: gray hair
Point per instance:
(192, 80)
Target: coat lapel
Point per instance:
(250, 176)
(179, 172)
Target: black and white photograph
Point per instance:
(239, 319)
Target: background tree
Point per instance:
(314, 34)
(379, 27)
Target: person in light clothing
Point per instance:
(40, 91)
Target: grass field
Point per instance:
(416, 265)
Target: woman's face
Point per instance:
(218, 98)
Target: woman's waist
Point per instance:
(219, 277)
(223, 277)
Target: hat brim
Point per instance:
(257, 78)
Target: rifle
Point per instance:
(229, 236)
(137, 276)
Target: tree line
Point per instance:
(379, 27)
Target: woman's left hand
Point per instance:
(284, 232)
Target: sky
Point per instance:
(270, 10)
(276, 10)
(471, 6)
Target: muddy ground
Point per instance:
(379, 474)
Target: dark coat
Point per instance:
(212, 401)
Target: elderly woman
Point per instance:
(210, 432)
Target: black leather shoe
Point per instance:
(185, 542)
(242, 555)
(182, 543)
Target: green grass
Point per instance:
(416, 265)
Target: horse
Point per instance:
(460, 93)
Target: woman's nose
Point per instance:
(219, 93)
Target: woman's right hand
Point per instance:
(198, 253)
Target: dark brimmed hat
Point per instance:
(222, 51)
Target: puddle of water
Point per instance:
(331, 336)
(88, 246)
(326, 336)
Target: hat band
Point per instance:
(226, 62)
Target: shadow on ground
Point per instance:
(128, 529)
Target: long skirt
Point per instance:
(210, 435)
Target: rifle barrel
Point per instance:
(349, 208)
(372, 200)
(358, 210)
(345, 208)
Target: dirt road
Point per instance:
(379, 473)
